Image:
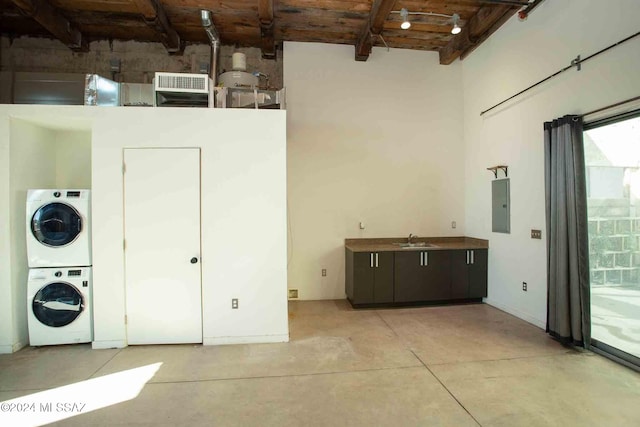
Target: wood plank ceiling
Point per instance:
(263, 23)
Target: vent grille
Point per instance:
(189, 82)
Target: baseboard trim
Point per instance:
(524, 316)
(19, 346)
(256, 339)
(8, 349)
(103, 345)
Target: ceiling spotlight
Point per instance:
(456, 28)
(404, 14)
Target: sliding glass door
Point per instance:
(612, 154)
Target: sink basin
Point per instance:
(415, 245)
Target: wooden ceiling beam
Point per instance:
(490, 31)
(267, 40)
(487, 20)
(156, 17)
(380, 10)
(51, 19)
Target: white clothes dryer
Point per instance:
(59, 306)
(58, 228)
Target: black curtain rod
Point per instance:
(617, 104)
(575, 63)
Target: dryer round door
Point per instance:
(56, 224)
(58, 304)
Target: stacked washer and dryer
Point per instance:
(59, 255)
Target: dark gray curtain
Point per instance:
(568, 301)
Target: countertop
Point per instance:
(391, 244)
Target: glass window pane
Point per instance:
(56, 224)
(57, 304)
(612, 154)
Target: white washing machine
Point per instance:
(58, 228)
(59, 306)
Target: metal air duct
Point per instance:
(214, 38)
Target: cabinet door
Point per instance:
(363, 278)
(436, 276)
(383, 277)
(459, 274)
(478, 274)
(408, 277)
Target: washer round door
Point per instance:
(56, 224)
(58, 304)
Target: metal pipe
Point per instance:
(442, 15)
(509, 2)
(532, 6)
(205, 16)
(214, 39)
(215, 50)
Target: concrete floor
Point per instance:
(464, 365)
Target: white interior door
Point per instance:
(162, 245)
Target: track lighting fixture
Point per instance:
(406, 24)
(456, 28)
(404, 14)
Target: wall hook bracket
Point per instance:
(577, 63)
(495, 169)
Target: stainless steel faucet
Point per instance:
(411, 237)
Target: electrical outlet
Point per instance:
(293, 293)
(536, 234)
(453, 224)
(234, 303)
(524, 286)
(324, 272)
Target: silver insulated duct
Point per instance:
(214, 39)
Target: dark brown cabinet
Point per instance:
(422, 276)
(469, 274)
(405, 277)
(369, 277)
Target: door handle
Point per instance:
(467, 257)
(376, 260)
(371, 260)
(472, 257)
(421, 259)
(194, 260)
(426, 258)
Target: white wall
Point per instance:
(243, 256)
(378, 141)
(6, 309)
(518, 55)
(31, 149)
(243, 211)
(35, 157)
(73, 159)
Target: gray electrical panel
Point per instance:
(500, 206)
